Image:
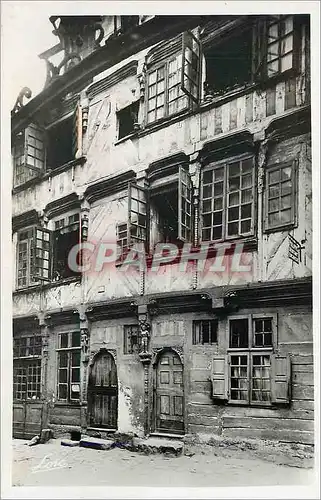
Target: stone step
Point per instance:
(96, 443)
(158, 445)
(69, 442)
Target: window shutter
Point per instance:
(259, 48)
(40, 255)
(191, 66)
(77, 132)
(185, 191)
(34, 148)
(281, 377)
(137, 214)
(219, 378)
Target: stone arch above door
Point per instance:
(158, 351)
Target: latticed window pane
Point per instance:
(262, 332)
(239, 379)
(27, 346)
(69, 360)
(261, 377)
(122, 241)
(280, 196)
(227, 208)
(131, 339)
(279, 56)
(26, 379)
(137, 214)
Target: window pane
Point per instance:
(63, 359)
(261, 390)
(63, 340)
(63, 374)
(62, 391)
(239, 378)
(75, 341)
(286, 62)
(239, 333)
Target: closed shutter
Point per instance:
(281, 377)
(219, 378)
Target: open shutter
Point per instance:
(259, 53)
(219, 378)
(281, 377)
(185, 191)
(137, 214)
(40, 255)
(191, 66)
(34, 148)
(77, 132)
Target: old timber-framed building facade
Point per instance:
(178, 130)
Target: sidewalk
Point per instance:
(38, 466)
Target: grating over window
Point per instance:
(27, 346)
(205, 331)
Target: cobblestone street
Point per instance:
(119, 467)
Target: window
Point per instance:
(37, 149)
(27, 346)
(227, 200)
(276, 45)
(127, 120)
(173, 83)
(205, 331)
(59, 144)
(69, 366)
(65, 237)
(280, 196)
(28, 155)
(229, 63)
(26, 371)
(250, 370)
(131, 339)
(167, 209)
(33, 254)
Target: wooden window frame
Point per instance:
(294, 196)
(64, 223)
(70, 350)
(27, 346)
(261, 44)
(224, 164)
(179, 57)
(198, 323)
(38, 249)
(250, 352)
(25, 364)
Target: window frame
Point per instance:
(217, 165)
(126, 339)
(65, 216)
(261, 44)
(195, 323)
(70, 350)
(31, 276)
(294, 196)
(250, 352)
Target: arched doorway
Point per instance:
(169, 394)
(103, 392)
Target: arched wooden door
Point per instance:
(169, 394)
(103, 392)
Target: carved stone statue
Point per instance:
(25, 92)
(144, 327)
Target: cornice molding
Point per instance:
(290, 125)
(109, 186)
(24, 220)
(166, 166)
(62, 205)
(230, 145)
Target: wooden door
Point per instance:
(169, 394)
(103, 392)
